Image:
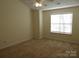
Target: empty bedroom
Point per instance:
(39, 28)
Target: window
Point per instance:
(61, 23)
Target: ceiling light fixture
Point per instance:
(38, 4)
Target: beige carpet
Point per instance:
(41, 48)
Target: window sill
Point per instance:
(69, 34)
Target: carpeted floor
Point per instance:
(41, 49)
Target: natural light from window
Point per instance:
(61, 23)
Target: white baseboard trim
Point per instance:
(15, 43)
(73, 41)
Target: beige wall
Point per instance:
(35, 23)
(40, 24)
(15, 23)
(46, 25)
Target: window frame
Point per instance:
(59, 32)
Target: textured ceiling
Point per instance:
(55, 4)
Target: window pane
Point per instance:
(67, 18)
(54, 18)
(55, 28)
(67, 28)
(61, 18)
(61, 28)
